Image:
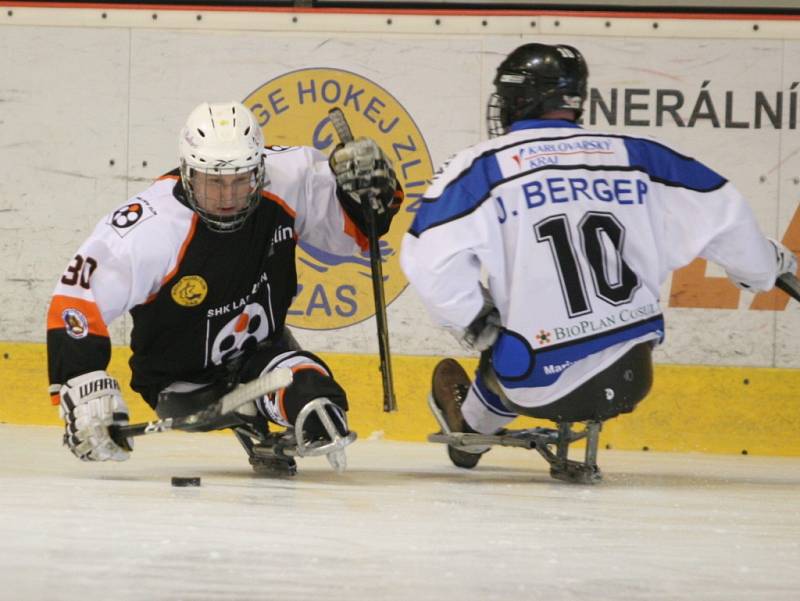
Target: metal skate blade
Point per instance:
(338, 461)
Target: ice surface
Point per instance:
(401, 524)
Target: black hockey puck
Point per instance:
(190, 481)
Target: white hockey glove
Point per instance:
(483, 331)
(364, 171)
(90, 403)
(786, 262)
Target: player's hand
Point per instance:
(364, 171)
(483, 331)
(786, 259)
(90, 403)
(785, 262)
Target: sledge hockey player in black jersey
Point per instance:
(575, 232)
(204, 261)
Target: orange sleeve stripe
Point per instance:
(280, 202)
(313, 366)
(60, 303)
(55, 399)
(163, 177)
(181, 253)
(351, 229)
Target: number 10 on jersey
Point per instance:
(602, 239)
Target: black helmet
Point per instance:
(535, 79)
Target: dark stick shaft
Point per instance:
(389, 400)
(789, 283)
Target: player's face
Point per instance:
(222, 195)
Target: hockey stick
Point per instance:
(789, 283)
(275, 380)
(389, 401)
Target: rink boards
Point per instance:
(691, 408)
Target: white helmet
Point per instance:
(222, 139)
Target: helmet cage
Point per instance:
(223, 223)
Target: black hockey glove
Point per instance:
(365, 180)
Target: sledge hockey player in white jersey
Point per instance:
(204, 261)
(575, 231)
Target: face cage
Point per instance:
(496, 116)
(217, 223)
(499, 117)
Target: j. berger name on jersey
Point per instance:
(557, 189)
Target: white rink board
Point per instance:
(74, 99)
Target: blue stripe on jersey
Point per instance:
(518, 366)
(468, 190)
(460, 197)
(665, 165)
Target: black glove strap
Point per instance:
(355, 210)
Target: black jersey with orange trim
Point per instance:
(197, 297)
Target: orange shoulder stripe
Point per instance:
(181, 253)
(60, 303)
(280, 202)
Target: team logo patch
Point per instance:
(77, 325)
(124, 219)
(335, 291)
(240, 333)
(190, 291)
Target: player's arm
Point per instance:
(444, 270)
(441, 256)
(705, 215)
(92, 291)
(721, 227)
(751, 260)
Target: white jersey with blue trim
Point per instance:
(575, 231)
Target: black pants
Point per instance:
(615, 390)
(308, 384)
(170, 403)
